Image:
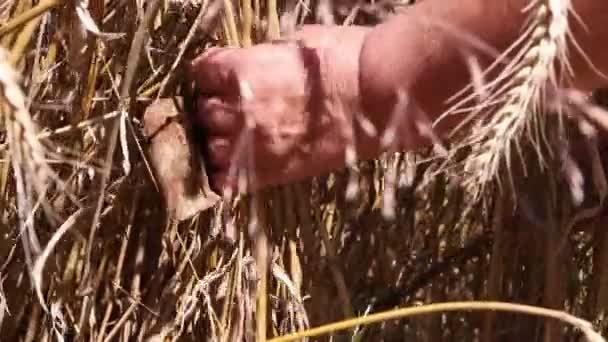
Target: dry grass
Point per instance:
(87, 254)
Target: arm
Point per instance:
(307, 91)
(411, 52)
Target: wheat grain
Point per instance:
(525, 82)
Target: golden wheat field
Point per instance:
(88, 254)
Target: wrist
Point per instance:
(337, 50)
(421, 53)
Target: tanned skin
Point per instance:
(312, 94)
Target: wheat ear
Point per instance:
(520, 94)
(32, 173)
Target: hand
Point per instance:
(282, 111)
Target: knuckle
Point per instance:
(212, 57)
(217, 117)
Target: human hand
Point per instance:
(282, 111)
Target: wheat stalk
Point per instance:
(584, 326)
(520, 90)
(28, 156)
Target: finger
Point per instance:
(211, 71)
(228, 186)
(216, 181)
(226, 181)
(222, 184)
(218, 118)
(220, 150)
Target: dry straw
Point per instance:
(104, 265)
(28, 156)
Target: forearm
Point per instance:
(422, 51)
